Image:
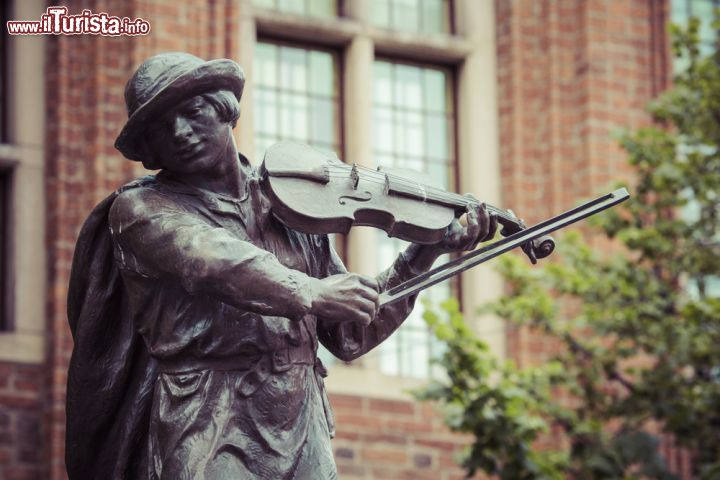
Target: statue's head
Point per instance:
(173, 98)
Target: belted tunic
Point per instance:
(239, 390)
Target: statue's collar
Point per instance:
(167, 181)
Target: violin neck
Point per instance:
(504, 218)
(449, 199)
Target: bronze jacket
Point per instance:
(229, 384)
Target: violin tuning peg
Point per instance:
(520, 221)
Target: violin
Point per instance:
(315, 192)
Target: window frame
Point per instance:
(689, 13)
(305, 11)
(694, 286)
(452, 166)
(451, 99)
(688, 6)
(22, 153)
(341, 243)
(352, 34)
(4, 60)
(337, 74)
(444, 4)
(7, 323)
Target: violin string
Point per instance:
(460, 199)
(415, 187)
(379, 178)
(441, 195)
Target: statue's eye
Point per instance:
(195, 111)
(156, 128)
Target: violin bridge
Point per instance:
(422, 192)
(354, 176)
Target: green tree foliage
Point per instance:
(638, 331)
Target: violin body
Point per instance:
(315, 192)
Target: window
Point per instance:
(5, 294)
(5, 303)
(683, 10)
(350, 85)
(705, 11)
(413, 130)
(310, 8)
(426, 16)
(4, 16)
(22, 218)
(296, 97)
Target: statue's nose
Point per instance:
(181, 128)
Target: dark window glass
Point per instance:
(4, 10)
(5, 303)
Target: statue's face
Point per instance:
(190, 138)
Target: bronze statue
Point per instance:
(196, 313)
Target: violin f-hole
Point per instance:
(358, 197)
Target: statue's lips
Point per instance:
(190, 151)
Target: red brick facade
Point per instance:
(393, 440)
(569, 73)
(22, 425)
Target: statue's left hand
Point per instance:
(463, 234)
(480, 227)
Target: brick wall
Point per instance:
(570, 74)
(21, 422)
(393, 440)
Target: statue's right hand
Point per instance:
(348, 297)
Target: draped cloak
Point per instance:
(111, 374)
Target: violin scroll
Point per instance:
(539, 248)
(543, 247)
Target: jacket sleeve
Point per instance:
(350, 340)
(155, 237)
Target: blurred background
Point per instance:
(512, 100)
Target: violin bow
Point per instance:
(495, 249)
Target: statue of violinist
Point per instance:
(196, 314)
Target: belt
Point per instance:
(257, 368)
(279, 360)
